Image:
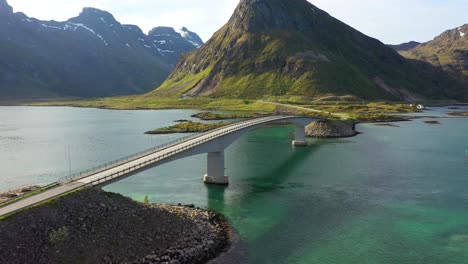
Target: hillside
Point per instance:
(448, 51)
(405, 46)
(91, 55)
(287, 48)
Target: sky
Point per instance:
(391, 21)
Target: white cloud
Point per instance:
(391, 21)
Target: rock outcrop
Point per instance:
(331, 129)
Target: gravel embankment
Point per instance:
(93, 226)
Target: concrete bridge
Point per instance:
(213, 143)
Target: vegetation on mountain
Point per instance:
(291, 48)
(448, 51)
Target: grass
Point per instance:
(295, 105)
(155, 102)
(186, 127)
(59, 236)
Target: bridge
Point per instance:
(213, 143)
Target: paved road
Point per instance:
(137, 164)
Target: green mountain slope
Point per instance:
(292, 48)
(448, 51)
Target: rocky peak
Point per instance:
(456, 33)
(94, 15)
(462, 31)
(454, 39)
(268, 15)
(162, 31)
(183, 35)
(190, 36)
(134, 28)
(5, 8)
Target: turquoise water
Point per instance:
(390, 195)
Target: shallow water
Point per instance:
(389, 195)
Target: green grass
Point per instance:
(187, 127)
(154, 102)
(296, 105)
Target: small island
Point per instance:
(462, 114)
(186, 127)
(432, 122)
(386, 125)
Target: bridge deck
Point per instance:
(135, 165)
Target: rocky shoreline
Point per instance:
(93, 226)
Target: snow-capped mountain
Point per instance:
(86, 56)
(171, 43)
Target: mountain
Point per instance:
(171, 44)
(91, 55)
(405, 46)
(292, 48)
(448, 51)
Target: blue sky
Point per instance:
(391, 21)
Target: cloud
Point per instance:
(391, 21)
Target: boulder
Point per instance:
(331, 129)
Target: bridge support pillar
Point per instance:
(215, 167)
(300, 137)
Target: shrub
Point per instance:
(59, 236)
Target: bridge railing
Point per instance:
(118, 162)
(222, 131)
(114, 163)
(141, 165)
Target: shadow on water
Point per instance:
(265, 183)
(269, 201)
(216, 197)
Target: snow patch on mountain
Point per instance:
(54, 27)
(75, 26)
